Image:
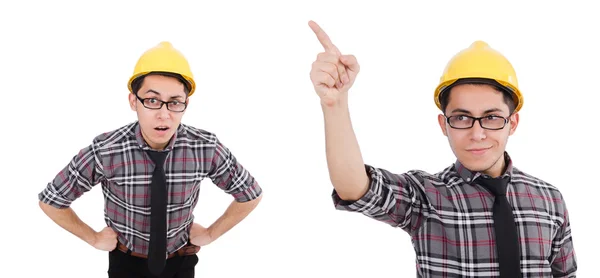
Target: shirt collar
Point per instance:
(469, 176)
(142, 142)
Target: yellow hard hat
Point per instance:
(163, 58)
(480, 61)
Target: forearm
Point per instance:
(235, 213)
(68, 220)
(344, 159)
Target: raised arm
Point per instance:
(332, 76)
(396, 199)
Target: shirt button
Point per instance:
(468, 179)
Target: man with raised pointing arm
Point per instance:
(480, 216)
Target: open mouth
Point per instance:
(161, 128)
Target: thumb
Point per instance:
(109, 231)
(350, 62)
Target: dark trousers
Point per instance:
(121, 265)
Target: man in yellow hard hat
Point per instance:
(150, 171)
(480, 216)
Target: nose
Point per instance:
(163, 113)
(477, 132)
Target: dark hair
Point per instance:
(136, 84)
(507, 95)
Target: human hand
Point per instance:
(105, 240)
(332, 73)
(199, 235)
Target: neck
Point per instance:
(158, 147)
(498, 168)
(155, 146)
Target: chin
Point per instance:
(478, 163)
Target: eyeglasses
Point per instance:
(155, 104)
(487, 122)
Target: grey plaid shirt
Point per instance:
(118, 161)
(449, 218)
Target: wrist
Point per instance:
(340, 104)
(211, 232)
(337, 112)
(91, 238)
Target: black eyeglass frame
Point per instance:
(477, 119)
(161, 104)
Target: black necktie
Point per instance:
(157, 252)
(507, 241)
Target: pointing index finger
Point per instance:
(323, 37)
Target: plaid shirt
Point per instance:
(449, 218)
(118, 161)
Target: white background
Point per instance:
(64, 69)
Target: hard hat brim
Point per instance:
(189, 82)
(445, 88)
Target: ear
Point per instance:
(514, 122)
(133, 102)
(442, 122)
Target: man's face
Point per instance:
(477, 148)
(158, 126)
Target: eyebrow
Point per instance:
(460, 110)
(157, 93)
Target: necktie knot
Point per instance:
(158, 158)
(497, 186)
